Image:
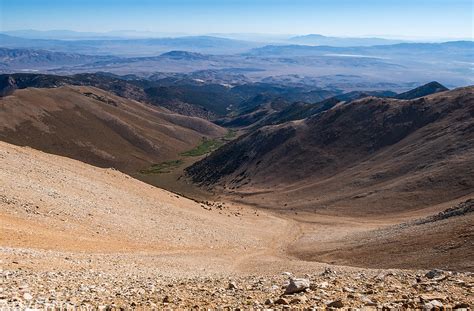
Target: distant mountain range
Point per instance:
(131, 46)
(230, 62)
(316, 39)
(455, 48)
(42, 59)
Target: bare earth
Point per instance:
(75, 235)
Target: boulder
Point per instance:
(297, 286)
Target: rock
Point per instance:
(435, 273)
(297, 286)
(232, 286)
(367, 301)
(336, 304)
(27, 296)
(436, 303)
(327, 272)
(300, 299)
(269, 302)
(430, 297)
(323, 285)
(288, 274)
(281, 301)
(462, 305)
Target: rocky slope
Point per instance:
(437, 239)
(77, 236)
(99, 128)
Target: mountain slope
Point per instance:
(137, 89)
(369, 156)
(19, 59)
(97, 127)
(443, 239)
(424, 90)
(59, 204)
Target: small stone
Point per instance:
(462, 305)
(297, 286)
(300, 299)
(232, 286)
(436, 303)
(323, 285)
(367, 301)
(268, 301)
(27, 296)
(336, 304)
(328, 271)
(435, 273)
(281, 301)
(430, 297)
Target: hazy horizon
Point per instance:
(410, 20)
(134, 33)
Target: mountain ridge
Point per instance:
(348, 147)
(98, 127)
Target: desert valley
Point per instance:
(235, 172)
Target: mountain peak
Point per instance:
(424, 90)
(183, 55)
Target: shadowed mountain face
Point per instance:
(99, 128)
(181, 94)
(268, 110)
(381, 155)
(120, 87)
(274, 112)
(427, 89)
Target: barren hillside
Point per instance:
(372, 156)
(99, 128)
(79, 236)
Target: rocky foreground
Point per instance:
(335, 287)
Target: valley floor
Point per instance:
(75, 235)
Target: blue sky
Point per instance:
(400, 18)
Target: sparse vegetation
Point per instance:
(206, 146)
(231, 134)
(209, 145)
(163, 167)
